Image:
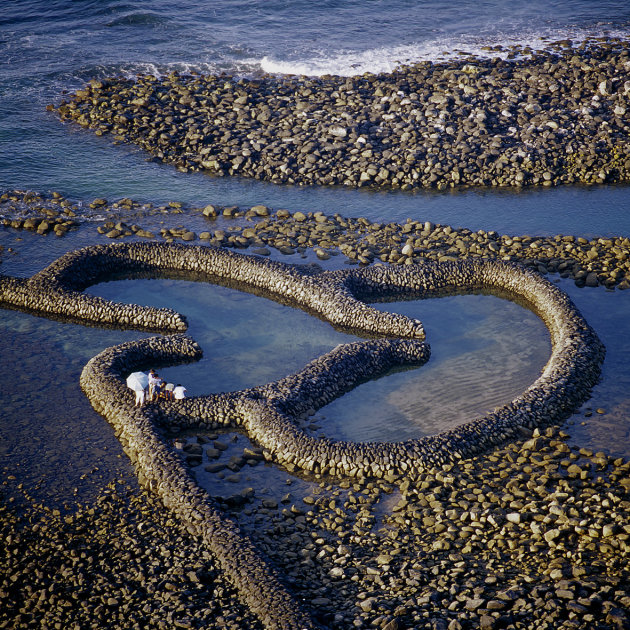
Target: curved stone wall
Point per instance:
(57, 289)
(103, 381)
(571, 371)
(268, 412)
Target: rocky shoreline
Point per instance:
(119, 562)
(590, 262)
(538, 118)
(531, 535)
(498, 524)
(269, 413)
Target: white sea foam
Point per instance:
(160, 70)
(386, 59)
(134, 69)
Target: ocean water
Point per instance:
(50, 47)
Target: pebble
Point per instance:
(575, 365)
(590, 262)
(68, 571)
(502, 572)
(500, 526)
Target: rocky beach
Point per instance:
(541, 118)
(237, 509)
(532, 533)
(590, 262)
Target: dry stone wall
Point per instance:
(268, 413)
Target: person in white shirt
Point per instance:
(179, 392)
(139, 397)
(154, 379)
(167, 392)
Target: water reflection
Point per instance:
(50, 437)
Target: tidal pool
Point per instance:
(485, 351)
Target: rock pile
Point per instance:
(268, 412)
(160, 471)
(121, 562)
(557, 116)
(535, 535)
(339, 297)
(589, 261)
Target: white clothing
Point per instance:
(153, 380)
(179, 392)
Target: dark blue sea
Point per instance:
(51, 47)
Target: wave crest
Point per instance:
(387, 59)
(139, 19)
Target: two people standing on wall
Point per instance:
(150, 387)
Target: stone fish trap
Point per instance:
(267, 412)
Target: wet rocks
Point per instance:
(438, 549)
(30, 211)
(122, 557)
(552, 117)
(475, 528)
(605, 260)
(590, 262)
(361, 555)
(269, 413)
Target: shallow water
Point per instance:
(609, 430)
(247, 340)
(47, 48)
(50, 437)
(485, 351)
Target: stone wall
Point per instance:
(269, 412)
